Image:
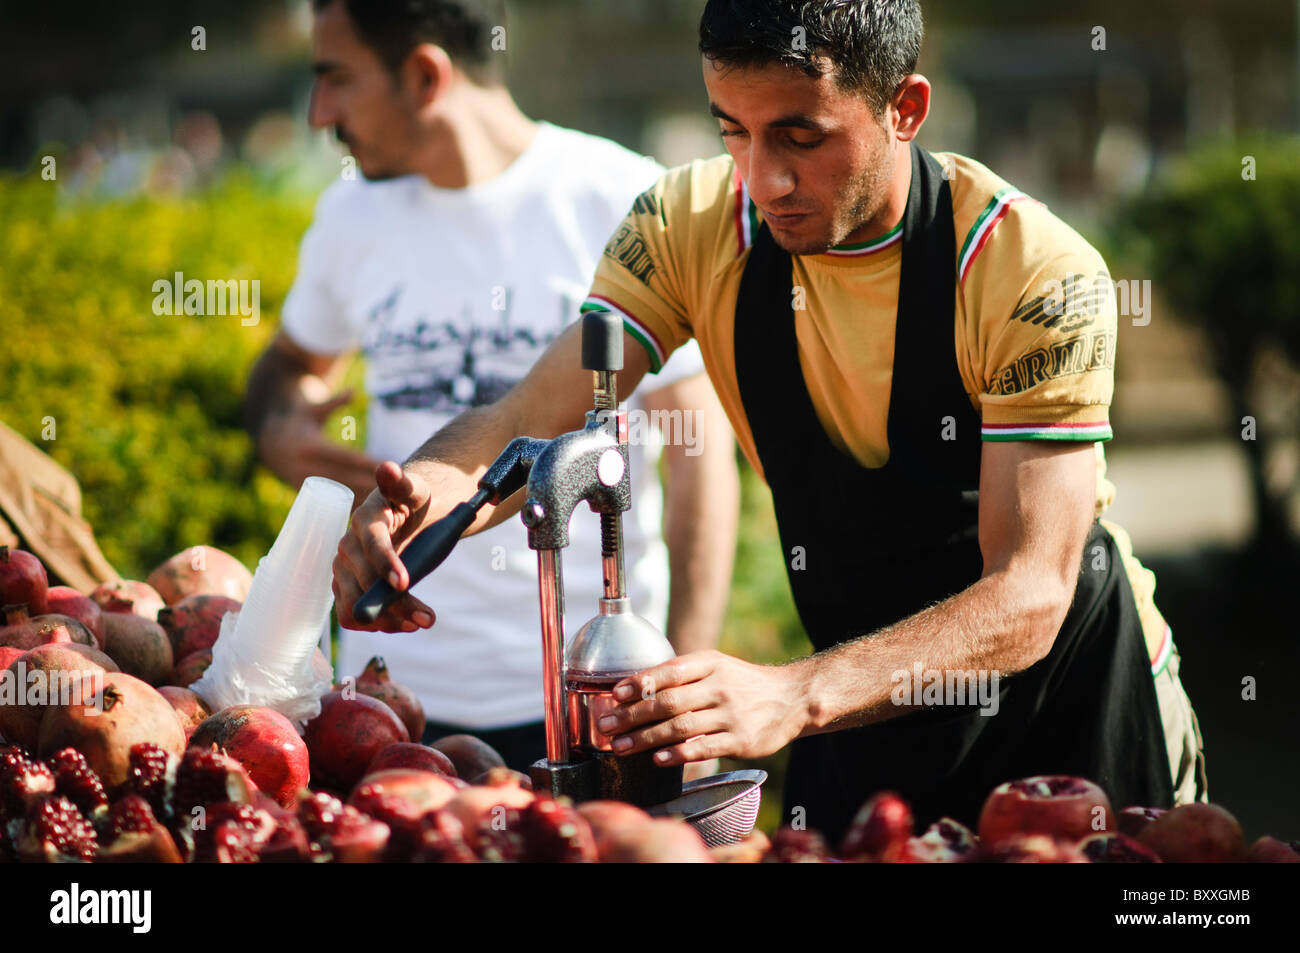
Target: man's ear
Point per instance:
(910, 107)
(427, 74)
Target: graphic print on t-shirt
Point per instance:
(465, 357)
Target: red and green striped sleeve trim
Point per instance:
(988, 219)
(633, 326)
(1164, 653)
(1089, 432)
(745, 215)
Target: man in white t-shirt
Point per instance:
(468, 246)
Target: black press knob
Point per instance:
(602, 341)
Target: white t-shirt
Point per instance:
(452, 295)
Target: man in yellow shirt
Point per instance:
(919, 360)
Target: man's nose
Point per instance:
(321, 111)
(769, 179)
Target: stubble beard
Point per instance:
(857, 203)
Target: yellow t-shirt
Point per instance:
(1034, 328)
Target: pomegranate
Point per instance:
(53, 627)
(288, 843)
(498, 837)
(343, 739)
(50, 673)
(945, 842)
(660, 841)
(347, 734)
(103, 725)
(405, 754)
(1270, 850)
(23, 782)
(1195, 834)
(20, 632)
(1026, 849)
(139, 647)
(64, 600)
(471, 756)
(191, 710)
(255, 824)
(128, 595)
(357, 839)
(1115, 848)
(56, 832)
(477, 806)
(555, 833)
(190, 669)
(77, 781)
(265, 742)
(401, 817)
(442, 841)
(205, 777)
(1062, 806)
(194, 623)
(200, 570)
(153, 777)
(1133, 820)
(340, 832)
(9, 655)
(23, 581)
(418, 791)
(791, 846)
(227, 843)
(495, 776)
(751, 850)
(607, 816)
(377, 683)
(879, 830)
(134, 835)
(23, 632)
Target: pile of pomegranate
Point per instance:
(1052, 819)
(138, 768)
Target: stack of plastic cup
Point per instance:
(265, 654)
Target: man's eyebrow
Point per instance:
(790, 121)
(321, 67)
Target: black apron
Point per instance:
(879, 544)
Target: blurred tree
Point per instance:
(1220, 234)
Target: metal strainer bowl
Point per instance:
(722, 808)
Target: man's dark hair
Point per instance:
(464, 28)
(872, 44)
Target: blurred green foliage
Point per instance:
(146, 408)
(1219, 233)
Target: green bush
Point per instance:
(146, 408)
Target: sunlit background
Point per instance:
(1170, 145)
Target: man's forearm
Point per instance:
(273, 384)
(1003, 623)
(456, 457)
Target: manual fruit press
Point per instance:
(588, 465)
